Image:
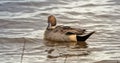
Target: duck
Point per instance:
(61, 33)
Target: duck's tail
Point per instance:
(84, 37)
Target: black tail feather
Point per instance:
(84, 37)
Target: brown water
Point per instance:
(28, 19)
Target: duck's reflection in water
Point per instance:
(63, 49)
(81, 45)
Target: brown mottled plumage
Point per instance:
(64, 33)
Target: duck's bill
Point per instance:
(84, 37)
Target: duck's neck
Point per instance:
(50, 27)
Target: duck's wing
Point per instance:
(70, 30)
(80, 33)
(73, 33)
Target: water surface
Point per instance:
(28, 19)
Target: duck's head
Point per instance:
(51, 22)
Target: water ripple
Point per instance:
(28, 18)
